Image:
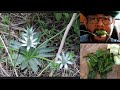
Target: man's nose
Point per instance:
(99, 23)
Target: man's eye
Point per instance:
(92, 18)
(106, 19)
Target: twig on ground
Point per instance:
(12, 27)
(76, 73)
(4, 70)
(63, 74)
(43, 70)
(64, 37)
(65, 34)
(8, 34)
(18, 24)
(9, 55)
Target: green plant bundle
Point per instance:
(100, 32)
(100, 62)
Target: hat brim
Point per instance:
(111, 13)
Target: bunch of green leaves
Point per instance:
(100, 62)
(100, 32)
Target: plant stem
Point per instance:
(43, 70)
(65, 34)
(51, 73)
(9, 55)
(63, 74)
(64, 37)
(88, 32)
(42, 58)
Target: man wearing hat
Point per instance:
(100, 26)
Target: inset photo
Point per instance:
(99, 26)
(99, 61)
(38, 44)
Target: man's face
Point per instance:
(100, 22)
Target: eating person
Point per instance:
(99, 25)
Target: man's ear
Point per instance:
(114, 21)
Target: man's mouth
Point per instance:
(100, 33)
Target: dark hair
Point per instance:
(111, 13)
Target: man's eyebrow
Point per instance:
(91, 16)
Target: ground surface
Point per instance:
(13, 24)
